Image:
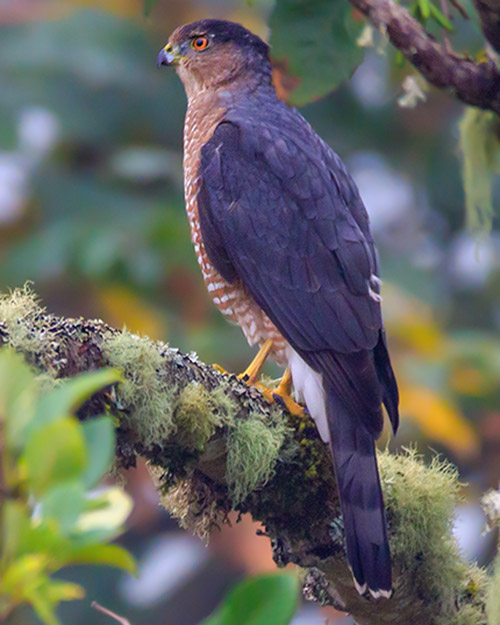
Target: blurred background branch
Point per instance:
(112, 615)
(476, 84)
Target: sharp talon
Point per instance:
(282, 395)
(289, 404)
(279, 400)
(220, 369)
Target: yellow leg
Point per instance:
(252, 372)
(282, 393)
(220, 369)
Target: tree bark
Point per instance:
(296, 501)
(476, 84)
(489, 13)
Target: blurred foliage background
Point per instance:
(91, 211)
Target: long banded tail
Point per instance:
(360, 494)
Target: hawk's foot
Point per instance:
(282, 394)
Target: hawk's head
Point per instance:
(212, 53)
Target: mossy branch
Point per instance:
(214, 445)
(476, 84)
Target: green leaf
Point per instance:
(23, 573)
(15, 524)
(54, 454)
(414, 9)
(100, 437)
(43, 606)
(64, 503)
(314, 43)
(63, 591)
(114, 509)
(22, 536)
(68, 397)
(17, 396)
(441, 19)
(259, 600)
(425, 8)
(480, 148)
(45, 536)
(148, 6)
(112, 555)
(400, 59)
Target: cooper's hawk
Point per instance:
(283, 241)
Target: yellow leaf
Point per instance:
(412, 324)
(64, 591)
(116, 506)
(123, 307)
(470, 381)
(22, 575)
(112, 555)
(439, 419)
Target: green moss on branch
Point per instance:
(215, 445)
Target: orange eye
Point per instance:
(199, 43)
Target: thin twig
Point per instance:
(460, 9)
(446, 12)
(120, 619)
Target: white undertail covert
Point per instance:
(308, 385)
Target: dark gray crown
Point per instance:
(225, 31)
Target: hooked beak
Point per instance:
(168, 56)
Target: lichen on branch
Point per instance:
(214, 445)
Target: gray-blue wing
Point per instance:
(280, 213)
